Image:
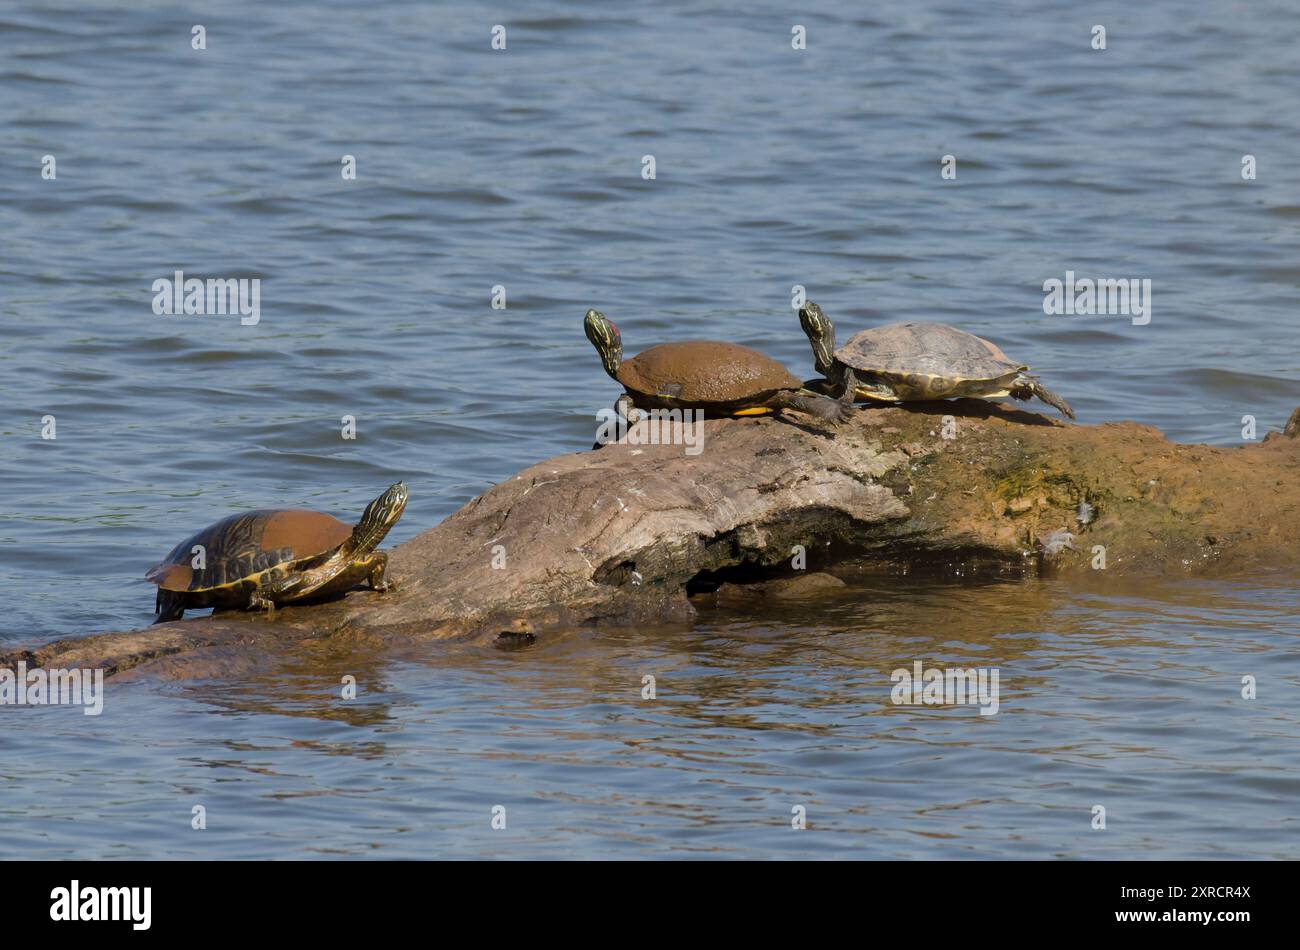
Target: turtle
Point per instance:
(726, 379)
(902, 362)
(270, 556)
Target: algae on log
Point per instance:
(627, 533)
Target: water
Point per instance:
(774, 167)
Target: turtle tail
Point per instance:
(1030, 387)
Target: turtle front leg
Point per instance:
(266, 594)
(379, 581)
(848, 387)
(259, 601)
(627, 409)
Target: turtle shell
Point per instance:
(247, 544)
(926, 349)
(705, 371)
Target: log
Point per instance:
(643, 533)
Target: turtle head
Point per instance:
(379, 517)
(821, 335)
(604, 336)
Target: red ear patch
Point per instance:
(616, 329)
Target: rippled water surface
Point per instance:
(522, 168)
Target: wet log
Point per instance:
(641, 533)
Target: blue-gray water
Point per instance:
(522, 168)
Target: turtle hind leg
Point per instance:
(169, 605)
(822, 407)
(872, 388)
(1027, 387)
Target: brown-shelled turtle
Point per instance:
(903, 362)
(258, 559)
(723, 379)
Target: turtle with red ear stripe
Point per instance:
(722, 379)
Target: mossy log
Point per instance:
(639, 533)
